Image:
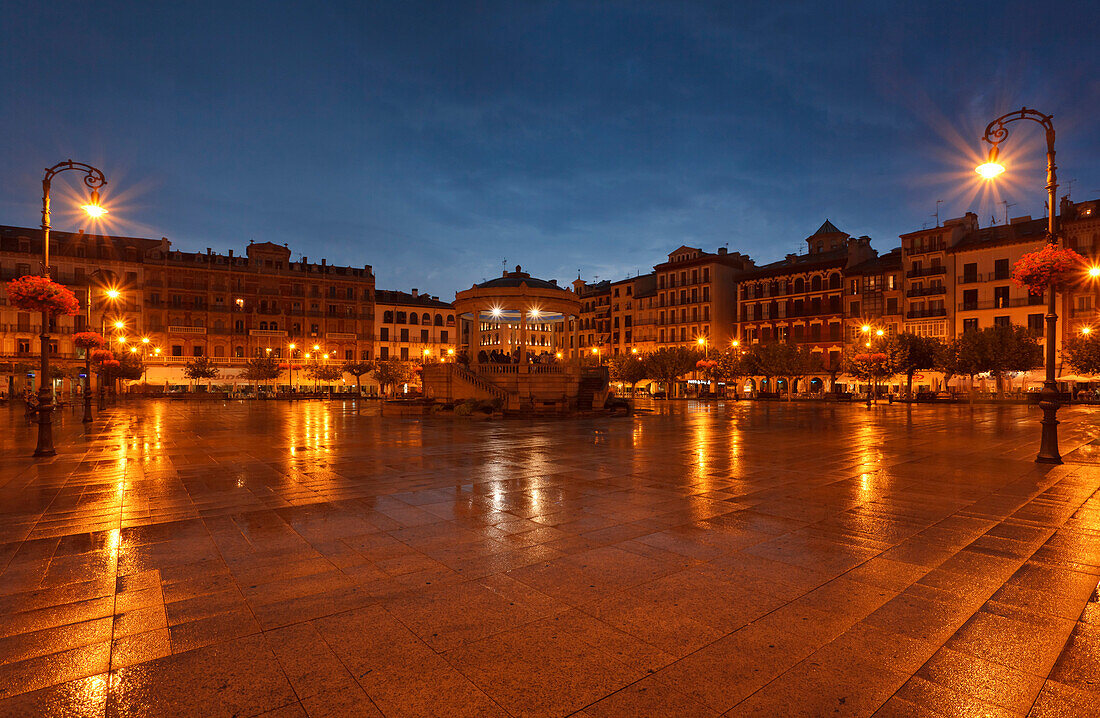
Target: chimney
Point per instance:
(80, 231)
(722, 250)
(231, 256)
(415, 293)
(554, 282)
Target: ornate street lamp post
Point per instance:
(93, 179)
(996, 133)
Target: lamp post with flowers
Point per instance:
(1046, 270)
(88, 341)
(52, 299)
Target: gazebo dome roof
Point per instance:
(517, 278)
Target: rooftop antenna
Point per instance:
(937, 214)
(1007, 204)
(1069, 187)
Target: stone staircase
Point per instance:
(480, 383)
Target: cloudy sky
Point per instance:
(436, 140)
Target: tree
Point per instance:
(913, 353)
(1010, 348)
(1082, 353)
(393, 373)
(668, 364)
(264, 368)
(780, 359)
(627, 368)
(200, 368)
(322, 372)
(358, 369)
(870, 366)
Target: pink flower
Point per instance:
(40, 294)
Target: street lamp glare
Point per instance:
(94, 209)
(291, 347)
(991, 168)
(880, 332)
(1086, 330)
(866, 328)
(120, 324)
(1094, 271)
(700, 341)
(113, 294)
(122, 340)
(133, 350)
(145, 340)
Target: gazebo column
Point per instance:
(523, 335)
(475, 338)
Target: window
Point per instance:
(384, 334)
(196, 350)
(404, 353)
(413, 319)
(177, 350)
(1035, 324)
(1001, 322)
(383, 353)
(1000, 269)
(404, 335)
(892, 305)
(970, 299)
(349, 354)
(24, 346)
(970, 325)
(424, 336)
(443, 336)
(1000, 297)
(401, 318)
(387, 317)
(426, 319)
(970, 272)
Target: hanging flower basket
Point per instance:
(111, 364)
(40, 294)
(88, 340)
(706, 364)
(102, 356)
(1051, 264)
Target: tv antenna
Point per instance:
(1007, 204)
(937, 214)
(1069, 186)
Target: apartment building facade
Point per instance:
(697, 297)
(413, 326)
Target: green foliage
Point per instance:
(627, 368)
(358, 368)
(393, 373)
(1082, 353)
(994, 349)
(913, 353)
(263, 368)
(201, 368)
(322, 372)
(667, 364)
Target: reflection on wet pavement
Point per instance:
(747, 560)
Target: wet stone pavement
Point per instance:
(742, 560)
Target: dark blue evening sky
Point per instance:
(434, 140)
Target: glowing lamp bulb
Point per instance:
(94, 209)
(880, 332)
(865, 328)
(989, 170)
(700, 341)
(1086, 330)
(1094, 271)
(145, 340)
(595, 350)
(120, 324)
(133, 350)
(113, 293)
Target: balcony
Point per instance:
(926, 272)
(996, 304)
(926, 313)
(927, 291)
(932, 247)
(186, 330)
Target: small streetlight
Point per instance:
(145, 340)
(267, 349)
(113, 293)
(633, 350)
(1086, 330)
(879, 332)
(122, 340)
(316, 347)
(865, 328)
(120, 324)
(1094, 272)
(735, 343)
(156, 350)
(133, 350)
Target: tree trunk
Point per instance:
(909, 386)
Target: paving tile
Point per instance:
(747, 559)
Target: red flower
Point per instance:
(1051, 264)
(111, 363)
(40, 294)
(102, 356)
(88, 340)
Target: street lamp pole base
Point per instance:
(1048, 446)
